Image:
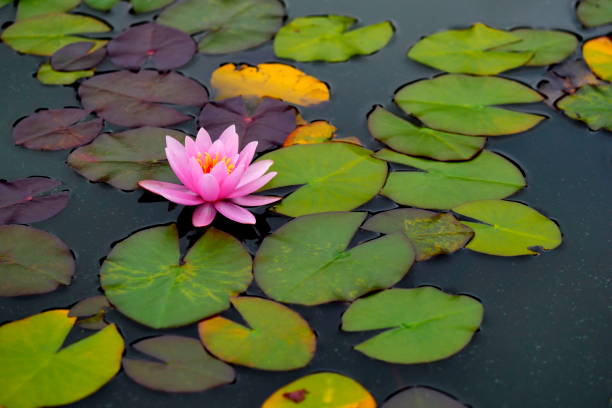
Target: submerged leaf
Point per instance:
(507, 228)
(591, 104)
(184, 366)
(326, 38)
(547, 46)
(276, 338)
(91, 312)
(593, 13)
(146, 279)
(307, 260)
(31, 199)
(565, 79)
(597, 54)
(24, 274)
(318, 131)
(422, 325)
(35, 8)
(422, 397)
(77, 56)
(48, 76)
(36, 371)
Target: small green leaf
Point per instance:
(445, 185)
(403, 136)
(431, 233)
(466, 104)
(146, 6)
(325, 38)
(591, 104)
(36, 371)
(277, 338)
(306, 261)
(547, 46)
(422, 397)
(35, 8)
(507, 228)
(593, 13)
(48, 76)
(102, 5)
(145, 278)
(333, 177)
(422, 325)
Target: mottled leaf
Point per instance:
(318, 131)
(422, 397)
(591, 104)
(77, 56)
(31, 199)
(593, 13)
(35, 8)
(48, 76)
(597, 54)
(547, 46)
(91, 312)
(183, 366)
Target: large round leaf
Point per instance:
(547, 46)
(123, 159)
(597, 53)
(465, 104)
(321, 390)
(422, 397)
(22, 272)
(36, 371)
(591, 104)
(422, 325)
(469, 51)
(445, 185)
(306, 261)
(277, 338)
(403, 136)
(325, 38)
(145, 277)
(507, 228)
(31, 199)
(334, 177)
(592, 13)
(230, 25)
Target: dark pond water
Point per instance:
(545, 338)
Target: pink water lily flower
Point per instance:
(215, 177)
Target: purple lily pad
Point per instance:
(90, 312)
(23, 201)
(56, 129)
(138, 99)
(166, 47)
(76, 57)
(269, 123)
(422, 397)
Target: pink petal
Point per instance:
(179, 165)
(234, 212)
(216, 148)
(203, 140)
(229, 137)
(254, 200)
(253, 185)
(219, 171)
(246, 155)
(203, 215)
(204, 183)
(173, 192)
(191, 150)
(229, 183)
(255, 171)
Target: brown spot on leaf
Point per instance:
(296, 396)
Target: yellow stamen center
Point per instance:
(207, 162)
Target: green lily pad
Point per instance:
(593, 13)
(403, 136)
(24, 274)
(183, 366)
(5, 2)
(547, 46)
(306, 261)
(422, 397)
(507, 228)
(44, 35)
(123, 159)
(146, 6)
(333, 176)
(48, 76)
(325, 38)
(37, 372)
(469, 51)
(35, 8)
(466, 104)
(591, 104)
(230, 26)
(146, 279)
(102, 5)
(445, 185)
(431, 233)
(422, 325)
(276, 338)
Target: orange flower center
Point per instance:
(207, 162)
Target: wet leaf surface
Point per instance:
(183, 366)
(35, 8)
(146, 279)
(307, 261)
(547, 46)
(269, 123)
(468, 105)
(91, 312)
(322, 390)
(48, 76)
(333, 177)
(422, 397)
(140, 99)
(77, 56)
(443, 185)
(318, 131)
(597, 54)
(56, 129)
(268, 80)
(21, 273)
(591, 104)
(31, 199)
(565, 79)
(431, 233)
(507, 228)
(37, 371)
(166, 47)
(275, 338)
(123, 159)
(422, 325)
(404, 137)
(229, 26)
(593, 13)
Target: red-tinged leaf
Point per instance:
(56, 129)
(269, 123)
(422, 397)
(90, 312)
(296, 396)
(166, 47)
(139, 99)
(77, 56)
(566, 79)
(31, 199)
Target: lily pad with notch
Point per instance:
(591, 104)
(547, 46)
(31, 199)
(77, 56)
